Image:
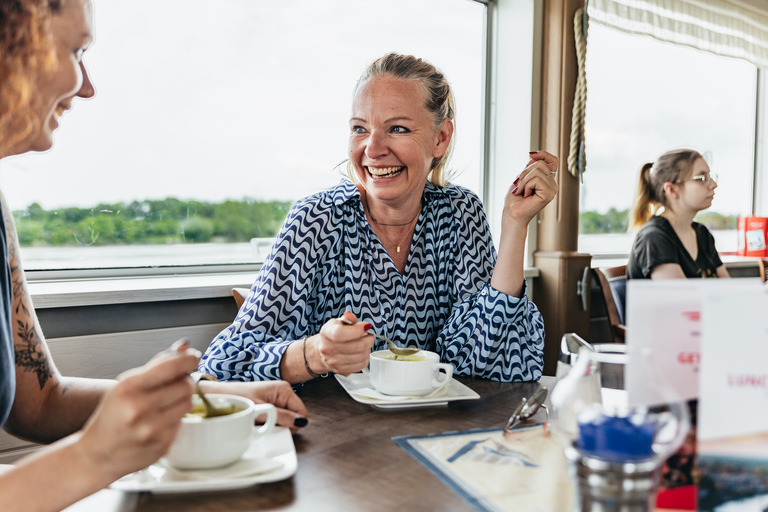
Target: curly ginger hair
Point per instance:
(25, 49)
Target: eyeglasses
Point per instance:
(705, 179)
(527, 408)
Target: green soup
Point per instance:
(198, 410)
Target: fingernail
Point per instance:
(197, 353)
(367, 327)
(516, 180)
(300, 421)
(532, 152)
(179, 344)
(514, 190)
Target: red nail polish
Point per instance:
(514, 190)
(532, 152)
(516, 180)
(367, 327)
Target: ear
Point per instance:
(444, 135)
(671, 190)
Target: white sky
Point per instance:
(208, 101)
(213, 100)
(645, 97)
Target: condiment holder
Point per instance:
(615, 451)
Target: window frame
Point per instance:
(510, 28)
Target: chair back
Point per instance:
(606, 326)
(617, 280)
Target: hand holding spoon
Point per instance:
(211, 411)
(400, 351)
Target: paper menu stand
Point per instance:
(733, 405)
(663, 335)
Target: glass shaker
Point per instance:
(615, 452)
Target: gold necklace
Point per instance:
(385, 233)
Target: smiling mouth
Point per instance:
(384, 172)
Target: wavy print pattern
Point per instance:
(326, 259)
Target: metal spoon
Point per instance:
(400, 351)
(211, 411)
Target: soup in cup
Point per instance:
(412, 375)
(213, 442)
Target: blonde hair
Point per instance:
(671, 167)
(26, 49)
(437, 92)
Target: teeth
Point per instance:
(384, 171)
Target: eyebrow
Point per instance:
(390, 120)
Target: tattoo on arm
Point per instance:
(31, 353)
(32, 356)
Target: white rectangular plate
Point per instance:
(456, 391)
(277, 447)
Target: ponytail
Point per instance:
(644, 205)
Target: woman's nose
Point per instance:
(375, 146)
(87, 89)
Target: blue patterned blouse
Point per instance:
(327, 259)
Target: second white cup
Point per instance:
(415, 375)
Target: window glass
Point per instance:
(211, 119)
(644, 98)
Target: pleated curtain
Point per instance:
(731, 28)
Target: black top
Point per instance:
(657, 243)
(7, 367)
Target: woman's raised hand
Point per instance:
(137, 420)
(533, 189)
(342, 348)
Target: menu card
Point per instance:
(664, 321)
(733, 423)
(734, 371)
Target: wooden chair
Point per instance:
(240, 294)
(617, 280)
(606, 325)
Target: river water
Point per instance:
(121, 256)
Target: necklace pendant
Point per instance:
(398, 248)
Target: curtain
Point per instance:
(731, 28)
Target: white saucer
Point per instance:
(455, 391)
(270, 459)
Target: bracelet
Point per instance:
(306, 363)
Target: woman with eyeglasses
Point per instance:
(669, 244)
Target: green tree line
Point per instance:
(165, 221)
(617, 221)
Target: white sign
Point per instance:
(734, 368)
(664, 335)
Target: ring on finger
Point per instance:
(552, 174)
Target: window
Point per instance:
(645, 97)
(244, 101)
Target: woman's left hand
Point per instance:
(291, 411)
(533, 189)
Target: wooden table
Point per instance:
(347, 459)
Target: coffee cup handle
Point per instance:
(270, 422)
(448, 369)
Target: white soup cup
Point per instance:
(213, 442)
(414, 375)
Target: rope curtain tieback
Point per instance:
(577, 153)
